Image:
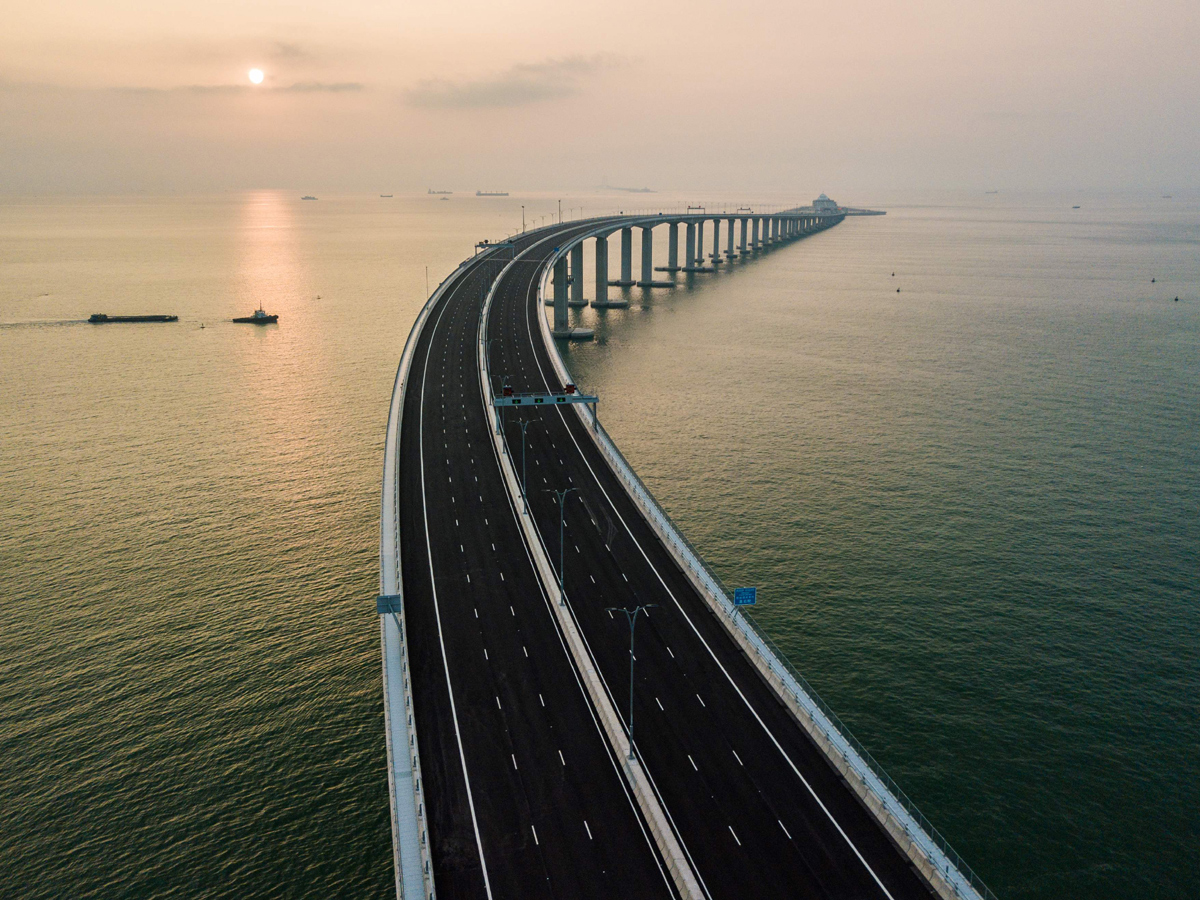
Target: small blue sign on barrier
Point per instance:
(745, 596)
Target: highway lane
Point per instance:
(524, 795)
(755, 803)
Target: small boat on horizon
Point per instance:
(386, 196)
(259, 318)
(308, 197)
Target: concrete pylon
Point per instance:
(700, 243)
(577, 276)
(754, 242)
(745, 229)
(561, 324)
(691, 246)
(647, 257)
(601, 300)
(626, 257)
(673, 248)
(716, 254)
(729, 239)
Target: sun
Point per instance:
(256, 75)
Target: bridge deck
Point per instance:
(756, 805)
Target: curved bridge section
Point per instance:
(531, 752)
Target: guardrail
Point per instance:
(925, 846)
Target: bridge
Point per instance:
(539, 744)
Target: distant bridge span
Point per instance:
(510, 766)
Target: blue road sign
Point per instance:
(745, 596)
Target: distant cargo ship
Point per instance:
(491, 193)
(432, 191)
(386, 196)
(101, 318)
(259, 318)
(307, 197)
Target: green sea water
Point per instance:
(971, 509)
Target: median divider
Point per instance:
(652, 812)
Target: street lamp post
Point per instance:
(561, 496)
(522, 218)
(631, 615)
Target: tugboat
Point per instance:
(259, 318)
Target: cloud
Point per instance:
(336, 87)
(300, 87)
(519, 85)
(284, 50)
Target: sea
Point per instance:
(956, 449)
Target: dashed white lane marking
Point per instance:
(477, 612)
(485, 656)
(514, 759)
(701, 699)
(456, 523)
(659, 702)
(540, 698)
(693, 762)
(669, 650)
(623, 575)
(526, 651)
(493, 548)
(593, 577)
(735, 837)
(784, 827)
(513, 611)
(498, 706)
(468, 579)
(535, 840)
(501, 576)
(589, 830)
(738, 758)
(460, 547)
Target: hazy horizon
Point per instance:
(857, 100)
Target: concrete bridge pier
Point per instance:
(626, 279)
(562, 325)
(729, 254)
(576, 298)
(755, 243)
(691, 247)
(672, 249)
(745, 230)
(700, 243)
(716, 254)
(648, 261)
(601, 300)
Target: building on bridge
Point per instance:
(824, 204)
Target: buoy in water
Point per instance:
(1152, 281)
(897, 290)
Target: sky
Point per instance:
(855, 95)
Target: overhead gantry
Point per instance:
(755, 232)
